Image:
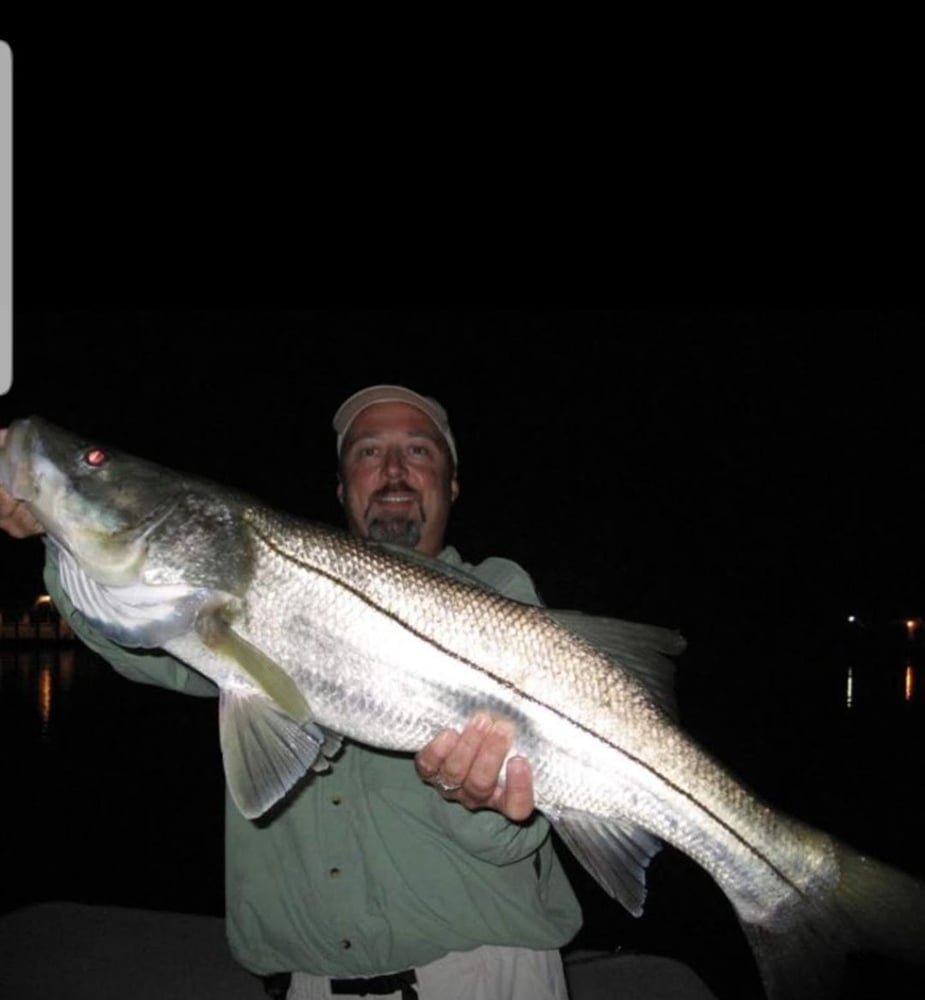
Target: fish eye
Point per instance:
(96, 457)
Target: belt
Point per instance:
(403, 982)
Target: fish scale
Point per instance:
(400, 603)
(312, 635)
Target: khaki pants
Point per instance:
(487, 973)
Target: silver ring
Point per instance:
(438, 782)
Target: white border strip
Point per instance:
(6, 217)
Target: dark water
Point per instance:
(113, 791)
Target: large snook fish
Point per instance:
(311, 635)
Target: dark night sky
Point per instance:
(681, 395)
(679, 332)
(661, 463)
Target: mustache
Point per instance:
(386, 516)
(397, 487)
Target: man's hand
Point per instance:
(466, 766)
(15, 520)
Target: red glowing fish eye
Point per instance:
(95, 456)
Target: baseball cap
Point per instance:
(355, 404)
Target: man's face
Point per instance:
(396, 477)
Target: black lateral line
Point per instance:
(503, 682)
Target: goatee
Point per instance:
(404, 531)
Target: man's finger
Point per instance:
(484, 773)
(15, 518)
(518, 801)
(430, 758)
(474, 741)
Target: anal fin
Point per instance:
(615, 853)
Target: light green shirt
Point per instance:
(367, 869)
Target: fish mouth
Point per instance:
(108, 550)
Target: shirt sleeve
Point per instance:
(143, 666)
(487, 834)
(508, 578)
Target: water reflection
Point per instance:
(881, 663)
(35, 684)
(906, 690)
(36, 680)
(90, 761)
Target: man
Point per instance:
(372, 880)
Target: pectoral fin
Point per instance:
(269, 739)
(265, 752)
(266, 673)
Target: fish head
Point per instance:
(120, 517)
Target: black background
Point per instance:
(678, 330)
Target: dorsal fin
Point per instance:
(642, 650)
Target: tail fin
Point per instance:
(872, 908)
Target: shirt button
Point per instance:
(336, 800)
(345, 944)
(334, 872)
